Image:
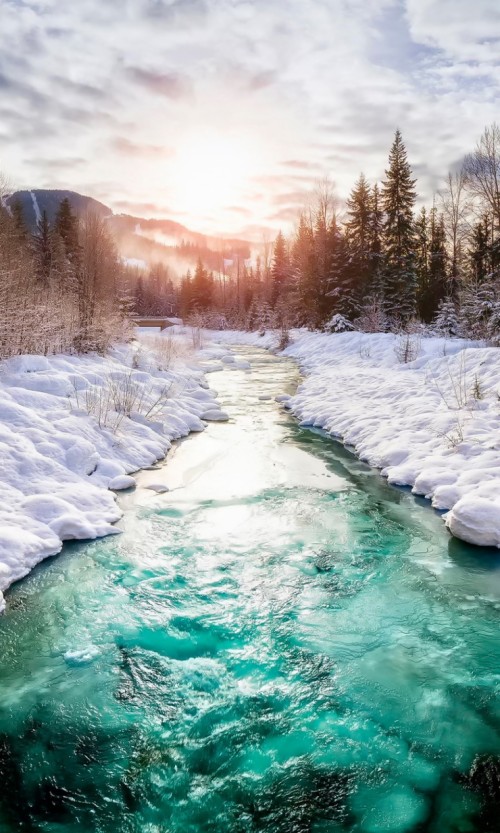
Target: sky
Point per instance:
(225, 114)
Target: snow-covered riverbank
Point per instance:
(72, 428)
(432, 423)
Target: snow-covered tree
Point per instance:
(338, 324)
(376, 244)
(446, 321)
(372, 317)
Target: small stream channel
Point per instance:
(282, 643)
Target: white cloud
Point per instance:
(325, 82)
(465, 31)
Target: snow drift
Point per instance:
(74, 427)
(432, 423)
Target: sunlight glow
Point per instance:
(211, 171)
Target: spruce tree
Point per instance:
(422, 260)
(376, 238)
(341, 295)
(66, 225)
(280, 269)
(201, 288)
(303, 293)
(19, 220)
(446, 320)
(42, 248)
(398, 200)
(359, 231)
(438, 262)
(479, 253)
(186, 295)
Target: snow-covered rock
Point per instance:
(214, 415)
(122, 481)
(159, 488)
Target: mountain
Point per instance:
(35, 202)
(140, 239)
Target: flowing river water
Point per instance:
(282, 643)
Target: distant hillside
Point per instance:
(137, 238)
(36, 201)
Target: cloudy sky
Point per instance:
(224, 113)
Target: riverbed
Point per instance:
(282, 642)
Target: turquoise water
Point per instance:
(281, 643)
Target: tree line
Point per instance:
(62, 287)
(376, 265)
(379, 264)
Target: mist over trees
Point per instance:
(379, 264)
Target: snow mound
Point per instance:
(122, 481)
(213, 415)
(62, 452)
(476, 520)
(432, 424)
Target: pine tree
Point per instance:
(478, 305)
(422, 263)
(303, 274)
(446, 321)
(398, 200)
(431, 262)
(19, 221)
(66, 225)
(376, 237)
(280, 269)
(186, 295)
(479, 251)
(359, 229)
(201, 288)
(324, 272)
(438, 261)
(338, 324)
(341, 280)
(41, 242)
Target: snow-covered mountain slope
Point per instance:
(432, 423)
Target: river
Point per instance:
(282, 643)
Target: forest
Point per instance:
(375, 263)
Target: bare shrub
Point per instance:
(284, 338)
(120, 395)
(407, 347)
(460, 392)
(455, 435)
(373, 318)
(164, 350)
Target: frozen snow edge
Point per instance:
(432, 424)
(59, 462)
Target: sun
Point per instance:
(210, 171)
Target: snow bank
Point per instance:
(73, 427)
(432, 424)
